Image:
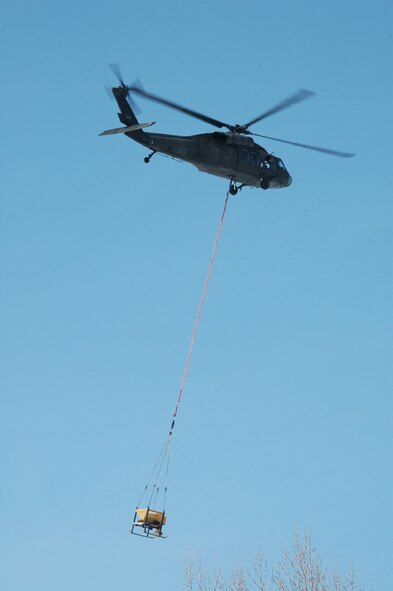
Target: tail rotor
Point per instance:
(137, 84)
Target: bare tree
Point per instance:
(299, 569)
(196, 576)
(260, 576)
(238, 581)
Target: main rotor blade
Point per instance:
(180, 108)
(300, 95)
(315, 148)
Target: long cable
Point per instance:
(164, 455)
(199, 313)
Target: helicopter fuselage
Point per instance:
(233, 154)
(227, 155)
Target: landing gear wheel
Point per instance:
(233, 189)
(264, 184)
(147, 158)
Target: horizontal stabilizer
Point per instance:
(127, 129)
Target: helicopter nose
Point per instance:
(289, 180)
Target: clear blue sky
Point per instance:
(287, 411)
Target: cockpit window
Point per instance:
(280, 164)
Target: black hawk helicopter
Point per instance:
(231, 154)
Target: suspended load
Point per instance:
(149, 516)
(150, 521)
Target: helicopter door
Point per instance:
(228, 156)
(248, 160)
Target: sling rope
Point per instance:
(163, 458)
(199, 313)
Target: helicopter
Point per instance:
(230, 154)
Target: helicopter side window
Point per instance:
(254, 158)
(244, 156)
(267, 162)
